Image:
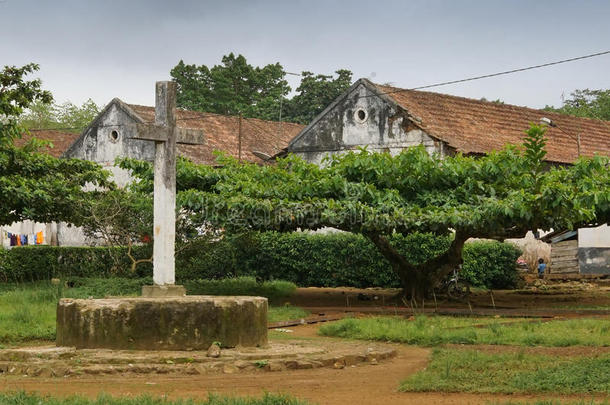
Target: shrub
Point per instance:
(306, 259)
(491, 264)
(31, 263)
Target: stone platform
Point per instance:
(170, 323)
(49, 361)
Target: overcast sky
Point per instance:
(105, 49)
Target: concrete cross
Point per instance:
(165, 134)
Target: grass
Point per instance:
(22, 398)
(452, 370)
(436, 330)
(28, 311)
(286, 313)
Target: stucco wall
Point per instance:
(360, 119)
(111, 137)
(598, 237)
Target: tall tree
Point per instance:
(586, 103)
(315, 93)
(497, 196)
(236, 87)
(34, 185)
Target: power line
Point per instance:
(506, 72)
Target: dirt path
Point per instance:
(362, 385)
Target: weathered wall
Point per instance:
(111, 137)
(360, 119)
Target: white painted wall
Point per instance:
(598, 237)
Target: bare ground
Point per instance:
(363, 384)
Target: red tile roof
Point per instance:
(60, 140)
(221, 132)
(474, 126)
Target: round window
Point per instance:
(360, 115)
(114, 136)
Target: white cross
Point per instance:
(165, 134)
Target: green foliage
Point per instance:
(534, 143)
(586, 103)
(432, 331)
(286, 313)
(325, 260)
(236, 87)
(21, 398)
(67, 116)
(490, 264)
(473, 371)
(34, 185)
(314, 94)
(31, 263)
(329, 260)
(273, 290)
(232, 88)
(17, 94)
(502, 194)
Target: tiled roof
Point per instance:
(474, 126)
(61, 140)
(221, 132)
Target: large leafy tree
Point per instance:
(315, 93)
(34, 185)
(586, 103)
(235, 87)
(500, 195)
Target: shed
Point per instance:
(584, 252)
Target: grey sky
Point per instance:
(106, 49)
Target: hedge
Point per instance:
(306, 259)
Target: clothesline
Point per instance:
(16, 239)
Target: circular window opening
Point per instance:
(114, 136)
(361, 115)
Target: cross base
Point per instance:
(162, 291)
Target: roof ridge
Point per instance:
(394, 90)
(218, 114)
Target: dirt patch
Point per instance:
(362, 385)
(565, 299)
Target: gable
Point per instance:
(360, 118)
(111, 135)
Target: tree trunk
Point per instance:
(418, 281)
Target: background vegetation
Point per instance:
(306, 259)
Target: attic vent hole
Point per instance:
(114, 136)
(361, 115)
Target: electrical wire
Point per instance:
(376, 94)
(506, 72)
